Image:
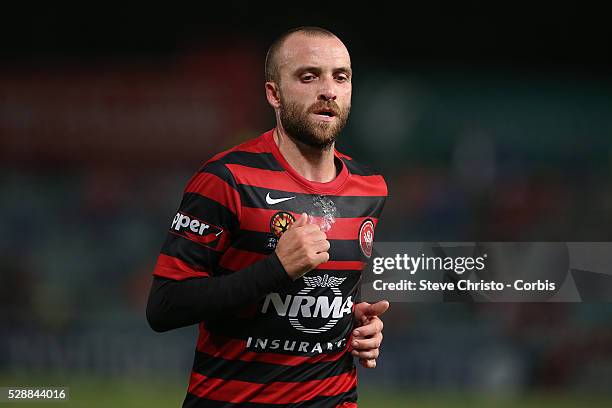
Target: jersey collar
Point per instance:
(330, 187)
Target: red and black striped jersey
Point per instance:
(291, 348)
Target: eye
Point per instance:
(342, 78)
(307, 77)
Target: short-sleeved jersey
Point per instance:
(291, 348)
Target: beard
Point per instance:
(301, 128)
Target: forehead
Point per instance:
(313, 51)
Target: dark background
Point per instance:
(489, 123)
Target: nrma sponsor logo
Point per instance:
(302, 307)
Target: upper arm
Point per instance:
(201, 230)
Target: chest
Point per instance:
(266, 214)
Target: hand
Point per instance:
(302, 247)
(367, 337)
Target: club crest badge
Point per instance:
(366, 237)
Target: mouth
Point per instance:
(325, 114)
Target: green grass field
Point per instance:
(100, 393)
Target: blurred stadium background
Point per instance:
(489, 124)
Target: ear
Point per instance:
(273, 94)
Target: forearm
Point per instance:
(173, 304)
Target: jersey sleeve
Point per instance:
(202, 228)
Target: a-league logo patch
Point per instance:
(366, 237)
(280, 222)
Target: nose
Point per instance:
(327, 91)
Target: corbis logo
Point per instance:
(280, 222)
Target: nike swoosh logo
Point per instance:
(273, 201)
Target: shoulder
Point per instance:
(365, 175)
(251, 153)
(217, 171)
(217, 178)
(357, 167)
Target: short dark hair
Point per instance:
(271, 68)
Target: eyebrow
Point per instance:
(301, 70)
(346, 70)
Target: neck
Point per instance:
(311, 163)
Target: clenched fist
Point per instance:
(302, 247)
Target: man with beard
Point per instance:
(266, 250)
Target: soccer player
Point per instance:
(267, 248)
